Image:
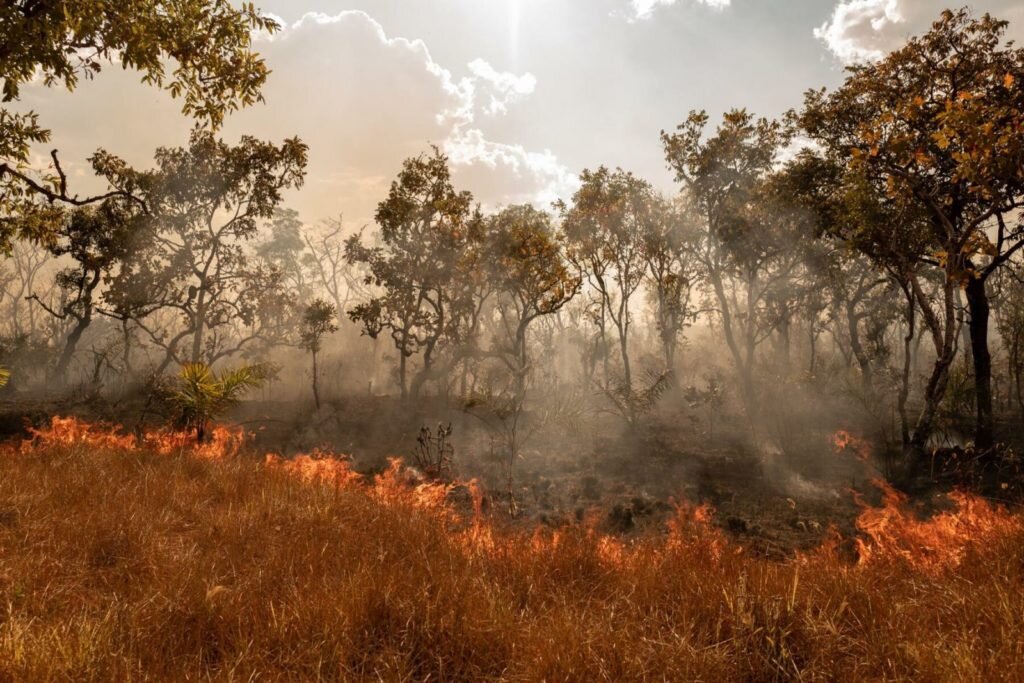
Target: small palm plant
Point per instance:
(200, 394)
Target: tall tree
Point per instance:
(422, 265)
(605, 228)
(191, 256)
(738, 250)
(669, 242)
(532, 279)
(97, 240)
(940, 122)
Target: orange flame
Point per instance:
(318, 467)
(888, 533)
(71, 432)
(893, 533)
(845, 442)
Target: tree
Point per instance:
(938, 122)
(317, 322)
(199, 394)
(198, 50)
(669, 241)
(605, 228)
(190, 275)
(284, 250)
(424, 266)
(1009, 287)
(97, 239)
(738, 250)
(27, 268)
(532, 278)
(858, 289)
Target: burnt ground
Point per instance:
(625, 483)
(774, 501)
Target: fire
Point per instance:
(888, 533)
(692, 527)
(71, 431)
(224, 442)
(318, 467)
(845, 442)
(892, 532)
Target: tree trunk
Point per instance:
(70, 344)
(863, 360)
(316, 384)
(197, 337)
(402, 358)
(978, 307)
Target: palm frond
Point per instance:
(5, 376)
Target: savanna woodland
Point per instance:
(759, 419)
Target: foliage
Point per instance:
(424, 266)
(190, 257)
(747, 246)
(934, 129)
(317, 322)
(98, 239)
(198, 50)
(199, 394)
(5, 376)
(526, 263)
(605, 229)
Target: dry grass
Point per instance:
(119, 563)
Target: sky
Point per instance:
(521, 94)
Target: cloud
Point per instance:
(644, 9)
(361, 99)
(862, 30)
(545, 178)
(441, 107)
(865, 30)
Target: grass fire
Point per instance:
(214, 564)
(590, 340)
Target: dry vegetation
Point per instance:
(157, 562)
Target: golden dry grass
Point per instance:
(119, 563)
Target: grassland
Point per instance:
(122, 561)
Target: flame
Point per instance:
(845, 442)
(224, 441)
(318, 467)
(889, 533)
(893, 533)
(71, 431)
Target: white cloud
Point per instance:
(862, 30)
(865, 30)
(362, 100)
(498, 172)
(546, 179)
(643, 9)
